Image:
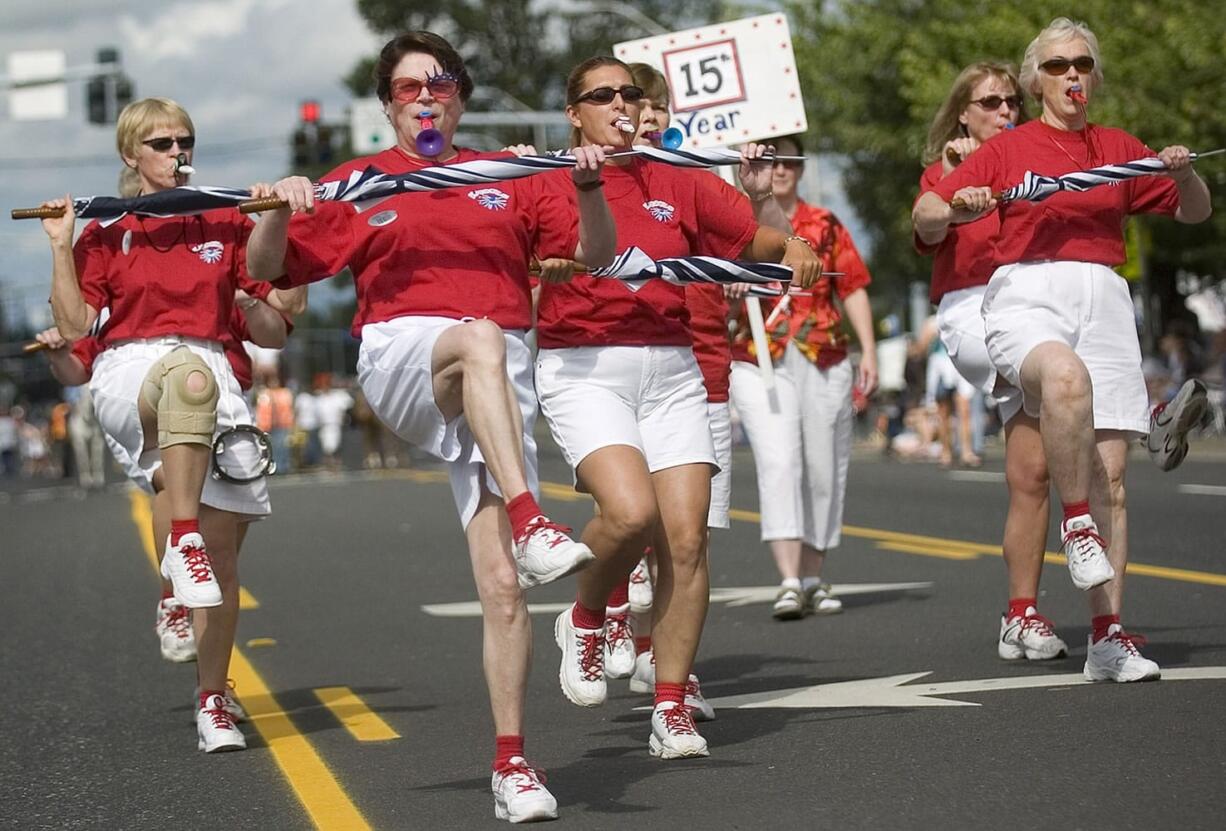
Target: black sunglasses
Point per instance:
(164, 143)
(1059, 66)
(605, 95)
(993, 102)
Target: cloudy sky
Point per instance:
(240, 67)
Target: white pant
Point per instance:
(1085, 306)
(118, 375)
(962, 330)
(802, 450)
(720, 416)
(650, 398)
(394, 370)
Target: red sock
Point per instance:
(179, 527)
(1018, 606)
(206, 694)
(642, 645)
(168, 593)
(669, 692)
(1101, 624)
(505, 747)
(521, 510)
(620, 595)
(1073, 509)
(584, 618)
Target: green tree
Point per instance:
(874, 72)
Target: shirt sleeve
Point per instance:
(550, 211)
(92, 258)
(725, 223)
(319, 245)
(847, 260)
(983, 168)
(86, 350)
(929, 178)
(1150, 194)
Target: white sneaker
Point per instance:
(1171, 421)
(618, 644)
(644, 678)
(1086, 553)
(1116, 658)
(821, 600)
(673, 735)
(520, 794)
(581, 673)
(545, 553)
(789, 605)
(216, 729)
(700, 709)
(188, 569)
(174, 631)
(231, 706)
(1030, 636)
(640, 588)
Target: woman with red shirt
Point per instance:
(986, 99)
(444, 304)
(1060, 322)
(162, 386)
(624, 399)
(802, 438)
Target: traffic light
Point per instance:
(302, 154)
(123, 93)
(95, 99)
(308, 112)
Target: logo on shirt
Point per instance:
(210, 252)
(660, 211)
(491, 199)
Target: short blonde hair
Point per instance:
(140, 116)
(1060, 30)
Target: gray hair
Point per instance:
(1060, 30)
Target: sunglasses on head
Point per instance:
(164, 143)
(442, 87)
(605, 95)
(993, 102)
(1059, 66)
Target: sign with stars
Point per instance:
(730, 83)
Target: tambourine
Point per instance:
(243, 433)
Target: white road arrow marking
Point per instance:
(733, 596)
(890, 692)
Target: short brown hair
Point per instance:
(652, 81)
(426, 43)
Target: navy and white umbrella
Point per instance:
(635, 267)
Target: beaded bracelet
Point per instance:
(802, 239)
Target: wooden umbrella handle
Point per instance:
(255, 206)
(534, 267)
(34, 346)
(37, 213)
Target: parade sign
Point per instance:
(730, 83)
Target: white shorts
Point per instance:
(961, 328)
(650, 398)
(1084, 305)
(720, 417)
(394, 369)
(118, 375)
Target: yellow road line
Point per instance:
(312, 782)
(351, 711)
(940, 546)
(246, 600)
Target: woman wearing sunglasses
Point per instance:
(1059, 321)
(443, 307)
(984, 101)
(162, 386)
(624, 398)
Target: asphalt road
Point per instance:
(98, 731)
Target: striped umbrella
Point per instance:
(635, 267)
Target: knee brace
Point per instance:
(184, 417)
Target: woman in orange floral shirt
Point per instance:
(802, 438)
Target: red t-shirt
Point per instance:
(709, 329)
(87, 350)
(667, 212)
(458, 252)
(163, 275)
(963, 259)
(1083, 227)
(812, 319)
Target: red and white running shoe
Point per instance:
(520, 794)
(640, 588)
(581, 674)
(215, 728)
(1171, 421)
(544, 553)
(190, 572)
(1117, 658)
(618, 644)
(1086, 553)
(1031, 636)
(673, 734)
(174, 630)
